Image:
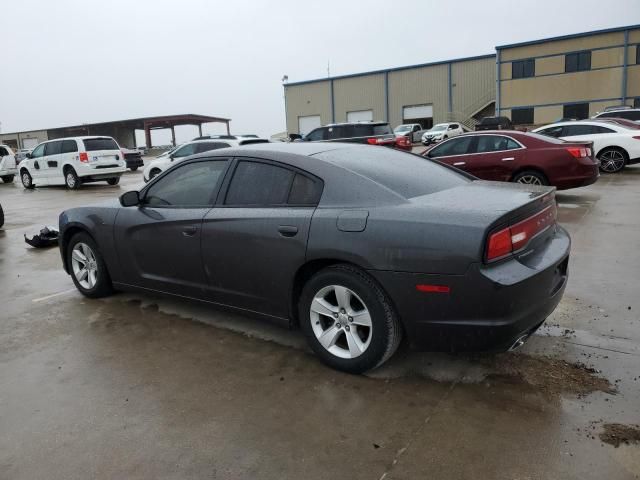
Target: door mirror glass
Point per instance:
(28, 155)
(130, 199)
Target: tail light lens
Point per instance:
(403, 142)
(515, 237)
(84, 157)
(579, 152)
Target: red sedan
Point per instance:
(511, 156)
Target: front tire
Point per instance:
(612, 160)
(27, 181)
(7, 178)
(71, 179)
(348, 319)
(88, 270)
(113, 181)
(531, 177)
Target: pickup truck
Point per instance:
(133, 158)
(7, 164)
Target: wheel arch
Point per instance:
(528, 169)
(614, 147)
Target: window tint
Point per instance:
(382, 129)
(629, 115)
(185, 150)
(93, 144)
(552, 131)
(257, 183)
(406, 174)
(305, 191)
(577, 62)
(494, 143)
(317, 134)
(208, 146)
(3, 152)
(69, 146)
(574, 130)
(522, 116)
(339, 131)
(52, 148)
(189, 185)
(578, 111)
(457, 146)
(523, 68)
(360, 131)
(453, 126)
(600, 129)
(38, 151)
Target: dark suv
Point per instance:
(495, 123)
(373, 133)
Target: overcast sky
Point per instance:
(67, 62)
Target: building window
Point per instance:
(577, 111)
(523, 68)
(577, 62)
(522, 116)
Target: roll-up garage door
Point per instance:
(360, 116)
(422, 114)
(308, 123)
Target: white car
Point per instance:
(613, 144)
(411, 130)
(73, 161)
(442, 131)
(8, 168)
(627, 113)
(168, 159)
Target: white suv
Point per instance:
(7, 164)
(73, 161)
(442, 131)
(168, 159)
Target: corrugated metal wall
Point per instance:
(359, 93)
(308, 99)
(474, 84)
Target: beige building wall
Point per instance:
(562, 46)
(307, 99)
(18, 138)
(473, 84)
(633, 81)
(418, 86)
(364, 92)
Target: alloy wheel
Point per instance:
(341, 321)
(529, 180)
(26, 179)
(71, 180)
(84, 265)
(611, 161)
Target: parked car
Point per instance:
(21, 154)
(372, 133)
(511, 156)
(166, 160)
(73, 161)
(622, 122)
(225, 137)
(8, 168)
(357, 246)
(626, 113)
(614, 145)
(409, 130)
(133, 158)
(442, 131)
(495, 123)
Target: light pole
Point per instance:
(285, 79)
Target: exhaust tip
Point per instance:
(519, 342)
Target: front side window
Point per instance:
(577, 62)
(457, 146)
(317, 134)
(523, 68)
(522, 116)
(190, 185)
(576, 111)
(38, 151)
(52, 148)
(261, 184)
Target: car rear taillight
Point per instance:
(84, 157)
(515, 237)
(579, 152)
(403, 141)
(374, 141)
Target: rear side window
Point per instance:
(361, 131)
(262, 184)
(457, 146)
(495, 143)
(93, 144)
(552, 131)
(600, 129)
(382, 129)
(52, 148)
(69, 146)
(577, 130)
(208, 146)
(305, 191)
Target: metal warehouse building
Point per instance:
(536, 82)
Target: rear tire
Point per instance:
(531, 177)
(348, 319)
(87, 268)
(27, 181)
(612, 160)
(71, 179)
(8, 178)
(1, 217)
(113, 181)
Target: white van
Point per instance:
(7, 164)
(73, 161)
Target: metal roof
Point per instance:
(567, 37)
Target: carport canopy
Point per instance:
(170, 121)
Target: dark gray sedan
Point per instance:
(359, 246)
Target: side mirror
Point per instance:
(130, 199)
(28, 155)
(294, 136)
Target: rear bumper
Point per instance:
(581, 176)
(97, 174)
(134, 162)
(489, 307)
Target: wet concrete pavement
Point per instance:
(136, 386)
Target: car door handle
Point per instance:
(288, 230)
(190, 231)
(457, 164)
(508, 159)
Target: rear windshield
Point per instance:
(406, 174)
(93, 144)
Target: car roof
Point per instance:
(628, 109)
(602, 123)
